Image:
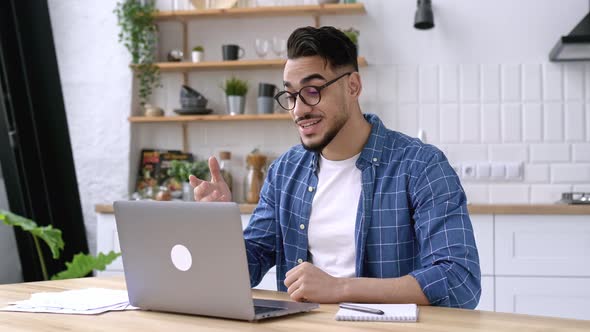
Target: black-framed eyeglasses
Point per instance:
(310, 95)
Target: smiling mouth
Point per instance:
(310, 123)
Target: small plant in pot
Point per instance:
(180, 171)
(235, 91)
(353, 35)
(198, 54)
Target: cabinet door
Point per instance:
(483, 227)
(107, 239)
(486, 301)
(542, 245)
(557, 297)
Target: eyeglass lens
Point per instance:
(309, 95)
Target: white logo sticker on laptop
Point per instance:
(181, 257)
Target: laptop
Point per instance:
(190, 257)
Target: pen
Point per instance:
(360, 308)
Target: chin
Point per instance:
(314, 145)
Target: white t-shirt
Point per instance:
(333, 217)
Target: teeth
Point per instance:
(309, 124)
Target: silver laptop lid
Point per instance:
(185, 257)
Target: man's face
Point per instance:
(319, 124)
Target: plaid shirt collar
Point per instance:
(373, 150)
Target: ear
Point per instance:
(355, 85)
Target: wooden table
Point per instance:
(319, 320)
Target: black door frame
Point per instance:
(35, 149)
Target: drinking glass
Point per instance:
(279, 46)
(262, 46)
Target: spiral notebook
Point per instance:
(392, 313)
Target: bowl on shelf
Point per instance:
(193, 111)
(191, 98)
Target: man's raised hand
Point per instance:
(215, 190)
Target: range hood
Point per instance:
(575, 46)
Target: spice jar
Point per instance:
(255, 163)
(224, 168)
(164, 194)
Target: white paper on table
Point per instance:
(88, 301)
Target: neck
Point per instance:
(351, 139)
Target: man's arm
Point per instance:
(450, 274)
(260, 234)
(307, 282)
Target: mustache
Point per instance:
(307, 117)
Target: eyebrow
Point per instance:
(305, 80)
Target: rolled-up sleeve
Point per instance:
(450, 273)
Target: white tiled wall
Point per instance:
(536, 114)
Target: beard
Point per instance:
(327, 138)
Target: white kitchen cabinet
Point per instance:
(483, 228)
(557, 297)
(542, 245)
(107, 239)
(543, 265)
(487, 299)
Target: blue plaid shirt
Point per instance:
(412, 218)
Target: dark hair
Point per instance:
(329, 43)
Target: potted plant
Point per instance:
(198, 54)
(353, 35)
(139, 35)
(80, 266)
(235, 91)
(180, 170)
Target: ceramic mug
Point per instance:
(232, 52)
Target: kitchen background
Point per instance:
(479, 84)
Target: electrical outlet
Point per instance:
(468, 171)
(498, 171)
(513, 171)
(484, 171)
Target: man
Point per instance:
(357, 212)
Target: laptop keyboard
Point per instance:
(258, 309)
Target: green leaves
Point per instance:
(140, 37)
(353, 35)
(50, 235)
(235, 87)
(80, 266)
(83, 264)
(180, 170)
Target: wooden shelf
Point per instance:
(310, 10)
(211, 117)
(225, 65)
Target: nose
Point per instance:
(301, 109)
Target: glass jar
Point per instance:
(255, 163)
(163, 194)
(225, 168)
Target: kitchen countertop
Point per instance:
(539, 209)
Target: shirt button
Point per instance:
(310, 188)
(302, 226)
(375, 159)
(300, 261)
